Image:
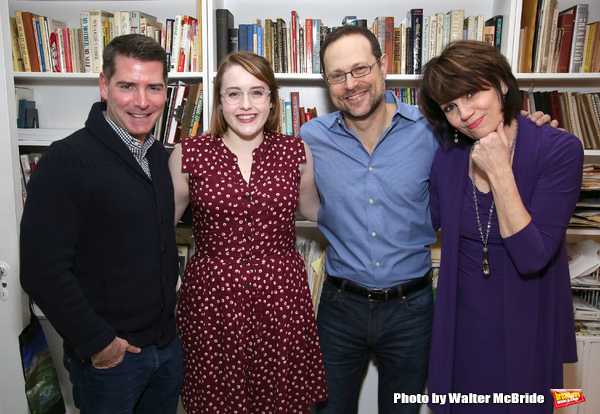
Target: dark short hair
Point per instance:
(135, 46)
(348, 30)
(465, 66)
(260, 68)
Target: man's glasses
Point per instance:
(357, 72)
(235, 96)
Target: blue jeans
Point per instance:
(396, 332)
(148, 382)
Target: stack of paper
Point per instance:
(583, 258)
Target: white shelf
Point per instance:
(41, 136)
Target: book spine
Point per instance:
(457, 18)
(295, 97)
(552, 42)
(425, 41)
(60, 50)
(432, 36)
(308, 24)
(224, 22)
(396, 59)
(403, 47)
(417, 35)
(498, 40)
(125, 22)
(234, 35)
(177, 29)
(294, 42)
(38, 43)
(389, 41)
(197, 111)
(87, 52)
(578, 35)
(96, 40)
(243, 37)
(169, 39)
(16, 51)
(117, 23)
(46, 42)
(565, 21)
(289, 128)
(440, 34)
(184, 47)
(316, 46)
(250, 38)
(23, 42)
(446, 26)
(259, 40)
(134, 20)
(66, 44)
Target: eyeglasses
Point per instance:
(357, 72)
(235, 96)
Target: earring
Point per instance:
(456, 136)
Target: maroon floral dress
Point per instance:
(245, 314)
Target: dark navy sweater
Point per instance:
(98, 253)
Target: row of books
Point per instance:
(419, 38)
(182, 115)
(407, 95)
(28, 162)
(292, 116)
(290, 46)
(314, 260)
(44, 44)
(293, 46)
(578, 113)
(555, 41)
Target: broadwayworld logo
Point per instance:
(564, 398)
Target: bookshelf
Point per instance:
(63, 99)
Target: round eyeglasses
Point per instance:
(235, 96)
(357, 72)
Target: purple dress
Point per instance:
(510, 333)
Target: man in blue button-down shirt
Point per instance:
(372, 164)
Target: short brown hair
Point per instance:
(349, 30)
(465, 66)
(135, 46)
(260, 68)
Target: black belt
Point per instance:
(381, 295)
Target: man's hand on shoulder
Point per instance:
(541, 118)
(113, 354)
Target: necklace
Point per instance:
(229, 148)
(485, 261)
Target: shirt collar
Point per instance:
(390, 97)
(130, 141)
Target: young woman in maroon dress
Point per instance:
(245, 313)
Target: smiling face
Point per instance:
(244, 119)
(135, 95)
(475, 114)
(356, 97)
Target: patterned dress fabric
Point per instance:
(245, 314)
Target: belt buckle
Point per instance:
(371, 292)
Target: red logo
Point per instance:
(564, 398)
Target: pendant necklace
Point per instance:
(485, 262)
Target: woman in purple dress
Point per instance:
(502, 191)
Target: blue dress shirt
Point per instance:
(375, 208)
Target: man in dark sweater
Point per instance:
(98, 253)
